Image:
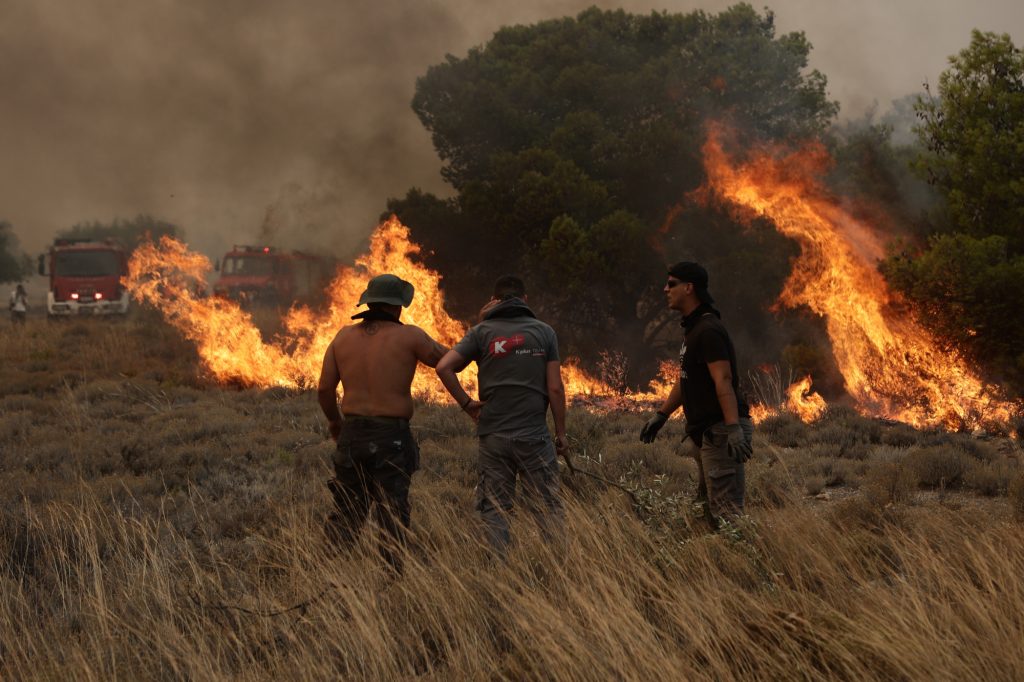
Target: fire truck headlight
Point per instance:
(74, 296)
(99, 295)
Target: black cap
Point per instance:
(687, 271)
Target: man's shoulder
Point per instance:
(414, 334)
(501, 323)
(710, 323)
(709, 330)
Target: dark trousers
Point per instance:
(722, 477)
(533, 460)
(373, 466)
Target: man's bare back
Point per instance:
(375, 362)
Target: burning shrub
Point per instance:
(613, 369)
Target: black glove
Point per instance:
(737, 444)
(651, 428)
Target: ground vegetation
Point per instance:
(155, 524)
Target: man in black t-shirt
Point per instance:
(717, 417)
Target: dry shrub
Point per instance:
(990, 478)
(770, 488)
(148, 527)
(937, 466)
(975, 448)
(1015, 493)
(889, 483)
(901, 436)
(785, 430)
(847, 472)
(868, 430)
(814, 484)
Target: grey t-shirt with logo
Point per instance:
(511, 348)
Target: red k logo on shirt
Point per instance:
(504, 345)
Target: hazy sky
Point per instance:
(208, 112)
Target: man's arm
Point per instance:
(327, 392)
(450, 365)
(721, 373)
(428, 351)
(556, 399)
(674, 399)
(486, 309)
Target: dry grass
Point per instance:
(150, 521)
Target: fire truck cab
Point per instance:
(266, 275)
(85, 277)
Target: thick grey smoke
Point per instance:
(252, 119)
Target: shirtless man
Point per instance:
(374, 361)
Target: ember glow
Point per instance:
(167, 275)
(892, 367)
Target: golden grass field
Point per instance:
(153, 524)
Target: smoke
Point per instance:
(249, 119)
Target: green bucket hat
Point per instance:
(388, 289)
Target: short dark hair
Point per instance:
(509, 286)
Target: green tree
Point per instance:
(968, 280)
(968, 289)
(14, 264)
(568, 143)
(128, 233)
(974, 134)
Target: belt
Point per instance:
(358, 419)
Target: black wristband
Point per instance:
(469, 399)
(659, 412)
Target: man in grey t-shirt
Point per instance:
(520, 378)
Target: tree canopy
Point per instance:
(128, 233)
(570, 141)
(14, 264)
(968, 279)
(974, 135)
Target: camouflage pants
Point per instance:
(373, 466)
(722, 479)
(533, 460)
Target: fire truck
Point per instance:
(85, 277)
(266, 275)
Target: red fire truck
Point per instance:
(266, 275)
(85, 277)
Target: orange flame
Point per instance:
(231, 347)
(892, 367)
(804, 403)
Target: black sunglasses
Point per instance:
(673, 282)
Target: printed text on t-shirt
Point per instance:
(504, 345)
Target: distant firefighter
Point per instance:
(18, 305)
(520, 378)
(717, 417)
(375, 362)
